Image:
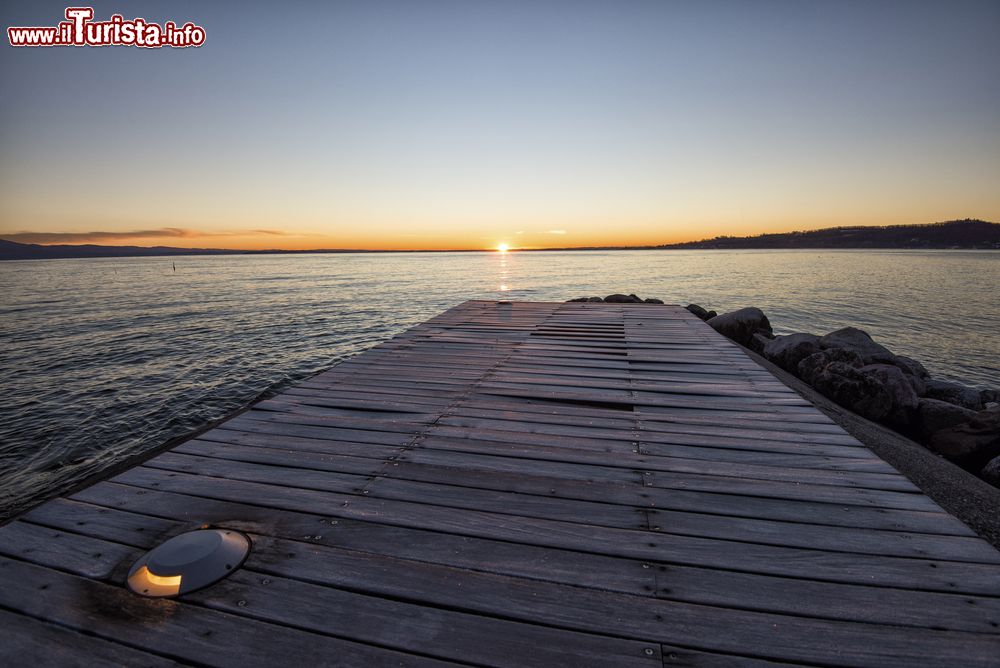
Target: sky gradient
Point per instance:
(423, 124)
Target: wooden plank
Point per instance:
(432, 631)
(573, 416)
(419, 544)
(184, 632)
(928, 575)
(574, 471)
(842, 495)
(258, 439)
(89, 557)
(47, 644)
(313, 453)
(801, 511)
(612, 424)
(695, 585)
(644, 399)
(694, 446)
(894, 543)
(529, 433)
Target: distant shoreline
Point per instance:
(966, 234)
(585, 249)
(459, 251)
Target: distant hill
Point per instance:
(11, 250)
(966, 233)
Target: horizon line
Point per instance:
(499, 247)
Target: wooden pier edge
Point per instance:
(973, 501)
(515, 484)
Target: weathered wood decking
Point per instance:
(525, 484)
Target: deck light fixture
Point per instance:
(188, 562)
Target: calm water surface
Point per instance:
(103, 359)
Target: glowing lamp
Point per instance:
(188, 562)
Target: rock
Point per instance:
(989, 397)
(579, 299)
(873, 353)
(991, 406)
(915, 373)
(652, 300)
(953, 393)
(971, 444)
(741, 325)
(850, 388)
(879, 392)
(698, 311)
(813, 364)
(712, 314)
(918, 384)
(622, 299)
(595, 299)
(788, 351)
(857, 340)
(911, 366)
(757, 343)
(901, 395)
(991, 472)
(934, 415)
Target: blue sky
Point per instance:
(464, 124)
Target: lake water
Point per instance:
(103, 359)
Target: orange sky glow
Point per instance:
(485, 237)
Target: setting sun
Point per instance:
(503, 248)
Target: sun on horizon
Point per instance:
(503, 248)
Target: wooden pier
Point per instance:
(540, 484)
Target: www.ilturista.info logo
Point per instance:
(79, 29)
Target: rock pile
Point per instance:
(847, 366)
(619, 299)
